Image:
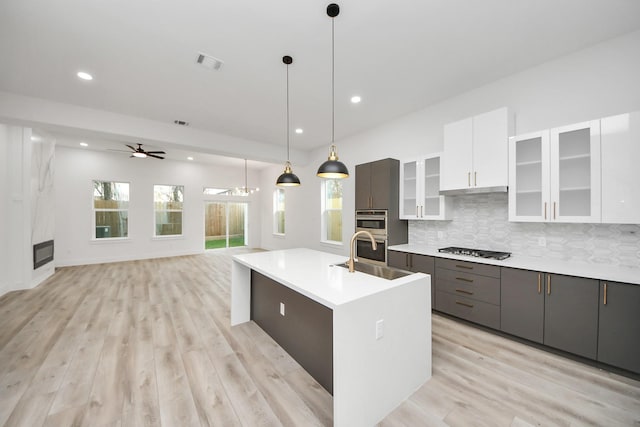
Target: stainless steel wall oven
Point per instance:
(375, 222)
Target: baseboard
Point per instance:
(108, 260)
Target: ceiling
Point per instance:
(399, 56)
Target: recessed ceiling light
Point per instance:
(299, 130)
(36, 138)
(189, 158)
(84, 75)
(355, 99)
(84, 144)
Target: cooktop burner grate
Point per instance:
(475, 252)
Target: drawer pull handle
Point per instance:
(464, 266)
(605, 293)
(465, 304)
(464, 279)
(549, 284)
(462, 291)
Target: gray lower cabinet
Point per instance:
(619, 325)
(417, 263)
(571, 314)
(305, 331)
(468, 290)
(522, 303)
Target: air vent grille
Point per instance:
(208, 61)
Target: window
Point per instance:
(167, 204)
(278, 211)
(110, 209)
(332, 211)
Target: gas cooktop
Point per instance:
(475, 252)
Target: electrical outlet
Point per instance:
(282, 309)
(542, 241)
(379, 329)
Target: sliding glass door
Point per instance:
(225, 224)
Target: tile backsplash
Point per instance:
(481, 221)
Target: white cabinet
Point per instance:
(620, 159)
(420, 190)
(476, 153)
(554, 175)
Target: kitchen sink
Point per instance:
(382, 271)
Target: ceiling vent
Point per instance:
(208, 61)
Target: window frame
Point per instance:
(94, 210)
(275, 230)
(324, 210)
(155, 211)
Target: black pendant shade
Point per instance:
(333, 168)
(288, 178)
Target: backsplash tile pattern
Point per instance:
(482, 221)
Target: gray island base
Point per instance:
(380, 330)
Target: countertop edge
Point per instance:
(545, 265)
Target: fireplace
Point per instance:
(42, 253)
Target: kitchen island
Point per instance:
(380, 330)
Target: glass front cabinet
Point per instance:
(420, 190)
(554, 175)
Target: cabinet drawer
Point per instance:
(469, 267)
(469, 309)
(473, 286)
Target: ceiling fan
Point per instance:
(142, 153)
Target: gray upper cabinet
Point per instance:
(522, 303)
(377, 185)
(619, 326)
(571, 314)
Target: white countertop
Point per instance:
(611, 273)
(311, 273)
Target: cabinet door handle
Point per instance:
(410, 260)
(545, 211)
(549, 284)
(539, 282)
(421, 215)
(465, 304)
(416, 211)
(554, 210)
(468, 179)
(605, 293)
(464, 266)
(463, 279)
(371, 202)
(462, 291)
(406, 260)
(475, 179)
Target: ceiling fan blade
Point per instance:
(130, 147)
(155, 152)
(121, 151)
(153, 155)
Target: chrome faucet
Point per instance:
(351, 262)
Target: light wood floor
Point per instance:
(149, 343)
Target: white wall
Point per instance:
(596, 82)
(77, 168)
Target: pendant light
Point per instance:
(288, 178)
(333, 168)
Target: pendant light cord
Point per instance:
(287, 112)
(333, 85)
